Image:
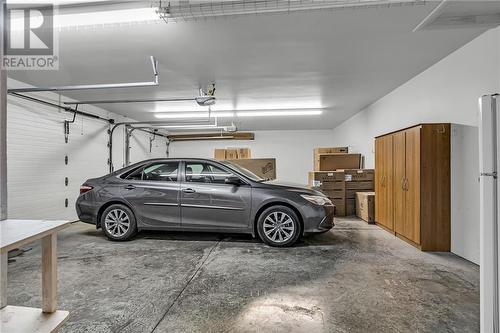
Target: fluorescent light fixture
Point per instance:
(278, 113)
(241, 113)
(55, 2)
(230, 128)
(189, 126)
(97, 18)
(197, 114)
(121, 16)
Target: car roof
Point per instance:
(178, 159)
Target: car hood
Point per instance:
(296, 187)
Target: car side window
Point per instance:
(200, 172)
(161, 172)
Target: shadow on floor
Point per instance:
(327, 238)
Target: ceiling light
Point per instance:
(230, 128)
(196, 114)
(96, 18)
(278, 113)
(188, 126)
(55, 2)
(106, 17)
(241, 113)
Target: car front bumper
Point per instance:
(318, 218)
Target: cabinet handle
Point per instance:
(406, 184)
(403, 183)
(382, 180)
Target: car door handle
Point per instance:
(129, 187)
(188, 190)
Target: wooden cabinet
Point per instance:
(415, 203)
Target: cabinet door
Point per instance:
(379, 181)
(383, 181)
(389, 180)
(412, 186)
(399, 180)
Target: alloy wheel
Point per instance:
(279, 227)
(117, 222)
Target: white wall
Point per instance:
(293, 150)
(465, 235)
(36, 151)
(446, 92)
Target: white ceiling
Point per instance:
(339, 60)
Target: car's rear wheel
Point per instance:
(118, 222)
(279, 226)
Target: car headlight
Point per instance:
(317, 199)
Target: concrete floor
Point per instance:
(356, 278)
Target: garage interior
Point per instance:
(378, 104)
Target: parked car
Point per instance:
(201, 195)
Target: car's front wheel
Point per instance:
(118, 222)
(279, 226)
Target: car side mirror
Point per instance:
(233, 180)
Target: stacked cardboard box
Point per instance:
(357, 180)
(328, 162)
(317, 152)
(338, 174)
(332, 184)
(341, 187)
(262, 167)
(335, 158)
(232, 153)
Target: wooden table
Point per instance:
(13, 234)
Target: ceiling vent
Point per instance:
(462, 14)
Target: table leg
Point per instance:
(4, 257)
(49, 273)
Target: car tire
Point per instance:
(118, 222)
(279, 226)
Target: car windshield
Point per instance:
(243, 171)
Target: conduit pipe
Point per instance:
(152, 124)
(155, 82)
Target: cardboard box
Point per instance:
(331, 150)
(322, 151)
(262, 167)
(351, 194)
(220, 154)
(336, 185)
(329, 162)
(339, 207)
(244, 153)
(359, 174)
(231, 154)
(361, 185)
(316, 177)
(334, 193)
(365, 206)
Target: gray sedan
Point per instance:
(201, 195)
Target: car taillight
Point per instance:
(85, 188)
